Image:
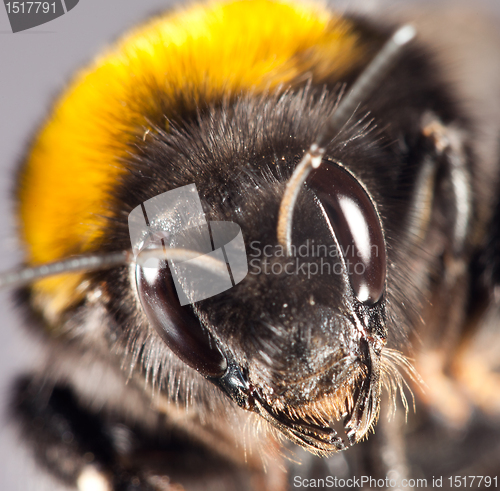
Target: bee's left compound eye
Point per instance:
(176, 324)
(357, 229)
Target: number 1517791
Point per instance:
(473, 481)
(30, 7)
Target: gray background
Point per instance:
(34, 66)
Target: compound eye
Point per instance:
(176, 324)
(357, 229)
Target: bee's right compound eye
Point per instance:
(176, 324)
(357, 228)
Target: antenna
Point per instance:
(93, 262)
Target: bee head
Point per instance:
(300, 339)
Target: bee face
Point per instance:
(331, 331)
(384, 240)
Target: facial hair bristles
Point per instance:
(393, 365)
(332, 407)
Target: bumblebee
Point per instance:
(363, 181)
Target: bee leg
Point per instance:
(453, 211)
(476, 362)
(441, 392)
(92, 450)
(458, 374)
(69, 442)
